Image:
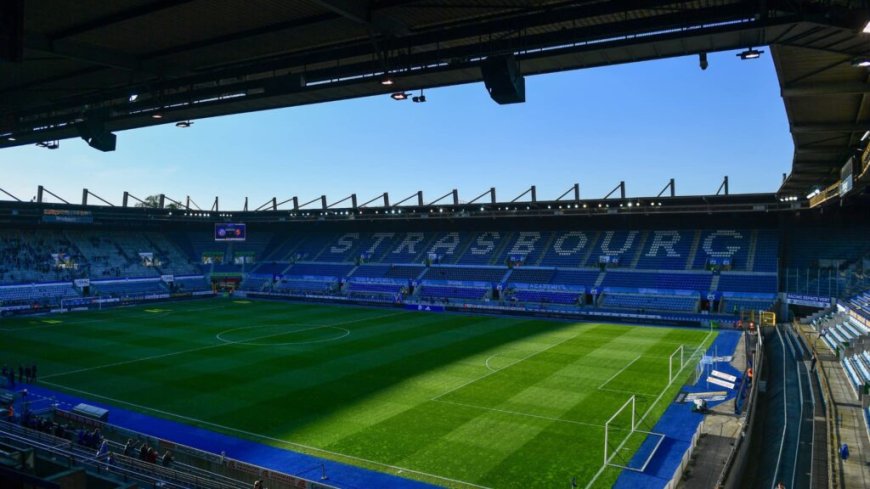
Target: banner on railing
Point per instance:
(550, 287)
(82, 282)
(807, 300)
(424, 307)
(167, 278)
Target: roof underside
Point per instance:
(190, 59)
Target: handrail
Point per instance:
(128, 464)
(830, 414)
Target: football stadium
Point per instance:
(463, 339)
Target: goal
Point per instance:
(626, 446)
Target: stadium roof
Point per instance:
(116, 65)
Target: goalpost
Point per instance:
(625, 423)
(678, 351)
(613, 457)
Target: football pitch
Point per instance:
(458, 401)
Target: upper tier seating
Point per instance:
(735, 282)
(696, 281)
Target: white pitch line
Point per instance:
(208, 347)
(487, 362)
(266, 437)
(648, 411)
(519, 413)
(503, 368)
(78, 320)
(619, 391)
(620, 371)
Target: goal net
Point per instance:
(627, 444)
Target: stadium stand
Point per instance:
(122, 288)
(464, 265)
(39, 293)
(644, 302)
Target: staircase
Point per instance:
(499, 249)
(693, 251)
(640, 248)
(714, 284)
(590, 249)
(600, 279)
(463, 248)
(546, 247)
(753, 244)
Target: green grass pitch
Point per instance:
(458, 401)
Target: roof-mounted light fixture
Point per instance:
(399, 96)
(750, 53)
(184, 124)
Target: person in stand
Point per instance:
(143, 452)
(813, 364)
(33, 373)
(20, 374)
(167, 458)
(27, 374)
(128, 448)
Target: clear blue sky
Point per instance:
(642, 123)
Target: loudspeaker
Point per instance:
(94, 132)
(12, 30)
(503, 80)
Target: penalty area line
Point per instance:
(265, 437)
(623, 369)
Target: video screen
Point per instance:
(230, 232)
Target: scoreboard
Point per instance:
(230, 232)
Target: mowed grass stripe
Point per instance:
(109, 347)
(368, 395)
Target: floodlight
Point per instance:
(702, 58)
(183, 124)
(865, 136)
(861, 62)
(399, 96)
(866, 29)
(157, 115)
(750, 54)
(387, 80)
(133, 97)
(11, 138)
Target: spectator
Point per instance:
(167, 458)
(128, 448)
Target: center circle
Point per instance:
(273, 334)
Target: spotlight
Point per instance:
(861, 62)
(183, 124)
(49, 144)
(387, 80)
(865, 136)
(133, 97)
(11, 138)
(702, 58)
(750, 54)
(157, 115)
(866, 29)
(399, 96)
